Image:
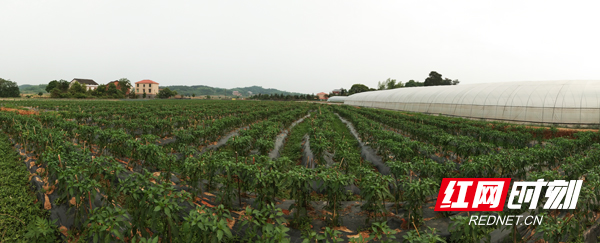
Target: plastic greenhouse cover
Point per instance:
(337, 99)
(561, 102)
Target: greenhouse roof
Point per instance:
(570, 102)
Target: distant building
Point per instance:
(236, 93)
(146, 86)
(322, 96)
(249, 93)
(336, 91)
(89, 84)
(116, 82)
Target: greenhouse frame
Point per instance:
(537, 102)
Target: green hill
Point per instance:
(184, 90)
(206, 90)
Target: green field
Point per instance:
(214, 171)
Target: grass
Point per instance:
(17, 207)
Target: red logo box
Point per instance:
(472, 194)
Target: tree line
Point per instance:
(289, 97)
(434, 79)
(64, 89)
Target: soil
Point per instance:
(21, 112)
(562, 132)
(568, 129)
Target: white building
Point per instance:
(89, 84)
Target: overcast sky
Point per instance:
(302, 46)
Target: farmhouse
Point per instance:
(322, 96)
(89, 83)
(147, 86)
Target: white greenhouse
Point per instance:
(543, 102)
(337, 99)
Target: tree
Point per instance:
(100, 91)
(40, 94)
(125, 85)
(132, 94)
(389, 84)
(77, 88)
(357, 88)
(112, 89)
(435, 79)
(9, 88)
(53, 84)
(166, 93)
(343, 92)
(62, 85)
(144, 95)
(56, 93)
(412, 83)
(193, 95)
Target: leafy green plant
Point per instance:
(462, 231)
(311, 236)
(329, 235)
(382, 232)
(557, 229)
(226, 194)
(241, 144)
(42, 230)
(430, 236)
(416, 193)
(265, 225)
(267, 181)
(299, 181)
(375, 189)
(206, 225)
(106, 224)
(264, 145)
(334, 184)
(144, 240)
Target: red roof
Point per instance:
(146, 81)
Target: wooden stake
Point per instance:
(416, 229)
